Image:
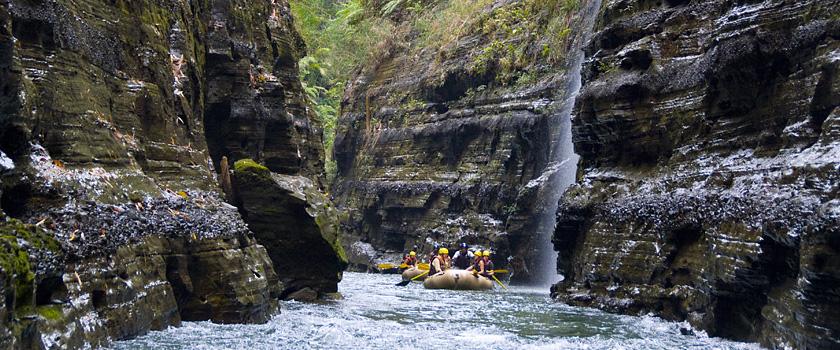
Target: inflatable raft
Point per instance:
(458, 280)
(413, 272)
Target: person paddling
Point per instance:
(462, 259)
(440, 263)
(487, 267)
(477, 263)
(410, 260)
(434, 252)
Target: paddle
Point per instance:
(500, 271)
(499, 282)
(388, 266)
(406, 282)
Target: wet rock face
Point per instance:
(710, 161)
(298, 226)
(255, 104)
(155, 284)
(178, 83)
(112, 115)
(125, 270)
(431, 149)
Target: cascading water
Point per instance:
(560, 173)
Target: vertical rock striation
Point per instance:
(112, 115)
(710, 164)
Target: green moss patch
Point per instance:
(15, 261)
(38, 238)
(249, 165)
(51, 312)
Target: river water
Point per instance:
(375, 314)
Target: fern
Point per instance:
(390, 7)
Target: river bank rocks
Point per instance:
(710, 169)
(114, 118)
(298, 226)
(85, 275)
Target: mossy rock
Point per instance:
(250, 165)
(50, 312)
(15, 238)
(37, 237)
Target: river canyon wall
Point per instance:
(710, 168)
(115, 117)
(707, 132)
(449, 139)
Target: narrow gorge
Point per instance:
(245, 173)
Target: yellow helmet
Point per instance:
(413, 253)
(477, 253)
(443, 251)
(486, 253)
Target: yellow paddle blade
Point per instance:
(403, 266)
(385, 266)
(500, 271)
(423, 266)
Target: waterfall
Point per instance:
(560, 173)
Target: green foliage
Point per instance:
(341, 36)
(605, 67)
(518, 41)
(413, 104)
(443, 24)
(510, 209)
(391, 6)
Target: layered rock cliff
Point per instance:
(708, 134)
(449, 140)
(114, 118)
(710, 169)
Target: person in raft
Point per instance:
(434, 253)
(462, 259)
(440, 263)
(477, 263)
(410, 260)
(488, 264)
(482, 265)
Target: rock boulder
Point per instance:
(296, 223)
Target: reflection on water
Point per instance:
(375, 314)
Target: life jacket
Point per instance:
(410, 260)
(488, 266)
(444, 264)
(462, 261)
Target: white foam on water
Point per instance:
(375, 314)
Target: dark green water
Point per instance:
(375, 314)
